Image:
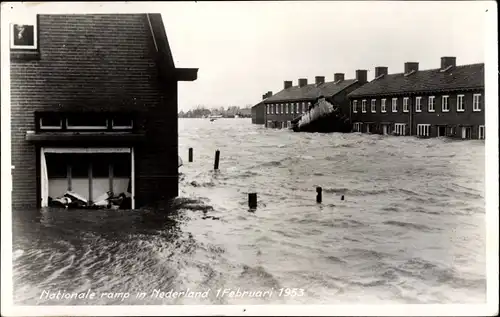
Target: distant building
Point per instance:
(259, 110)
(447, 101)
(293, 101)
(245, 113)
(94, 108)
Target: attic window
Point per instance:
(23, 36)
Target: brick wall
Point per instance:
(436, 118)
(98, 63)
(258, 113)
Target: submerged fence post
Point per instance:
(216, 163)
(190, 154)
(319, 197)
(252, 200)
(342, 198)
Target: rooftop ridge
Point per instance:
(433, 69)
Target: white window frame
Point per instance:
(406, 101)
(400, 128)
(480, 135)
(44, 186)
(122, 127)
(24, 47)
(282, 106)
(394, 104)
(81, 127)
(445, 101)
(383, 106)
(50, 127)
(272, 109)
(476, 102)
(462, 104)
(423, 130)
(267, 107)
(418, 104)
(286, 108)
(358, 126)
(431, 101)
(354, 106)
(303, 107)
(363, 106)
(373, 106)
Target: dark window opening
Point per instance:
(121, 165)
(79, 165)
(50, 121)
(56, 165)
(100, 165)
(87, 121)
(122, 122)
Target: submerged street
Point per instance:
(410, 229)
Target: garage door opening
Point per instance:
(86, 178)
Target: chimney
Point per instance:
(269, 94)
(361, 75)
(264, 97)
(448, 61)
(288, 84)
(319, 80)
(337, 77)
(302, 82)
(411, 66)
(381, 70)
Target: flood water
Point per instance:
(411, 228)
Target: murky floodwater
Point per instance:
(410, 229)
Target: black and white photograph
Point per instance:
(23, 36)
(250, 158)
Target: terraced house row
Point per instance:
(445, 101)
(293, 101)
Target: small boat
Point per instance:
(322, 117)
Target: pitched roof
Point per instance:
(311, 91)
(432, 80)
(259, 104)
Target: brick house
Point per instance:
(259, 110)
(94, 108)
(447, 101)
(291, 102)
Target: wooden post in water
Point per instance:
(342, 198)
(216, 163)
(252, 200)
(190, 154)
(319, 197)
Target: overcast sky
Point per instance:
(243, 49)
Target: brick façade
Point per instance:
(96, 63)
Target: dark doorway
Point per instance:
(441, 131)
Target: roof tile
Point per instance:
(456, 78)
(311, 91)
